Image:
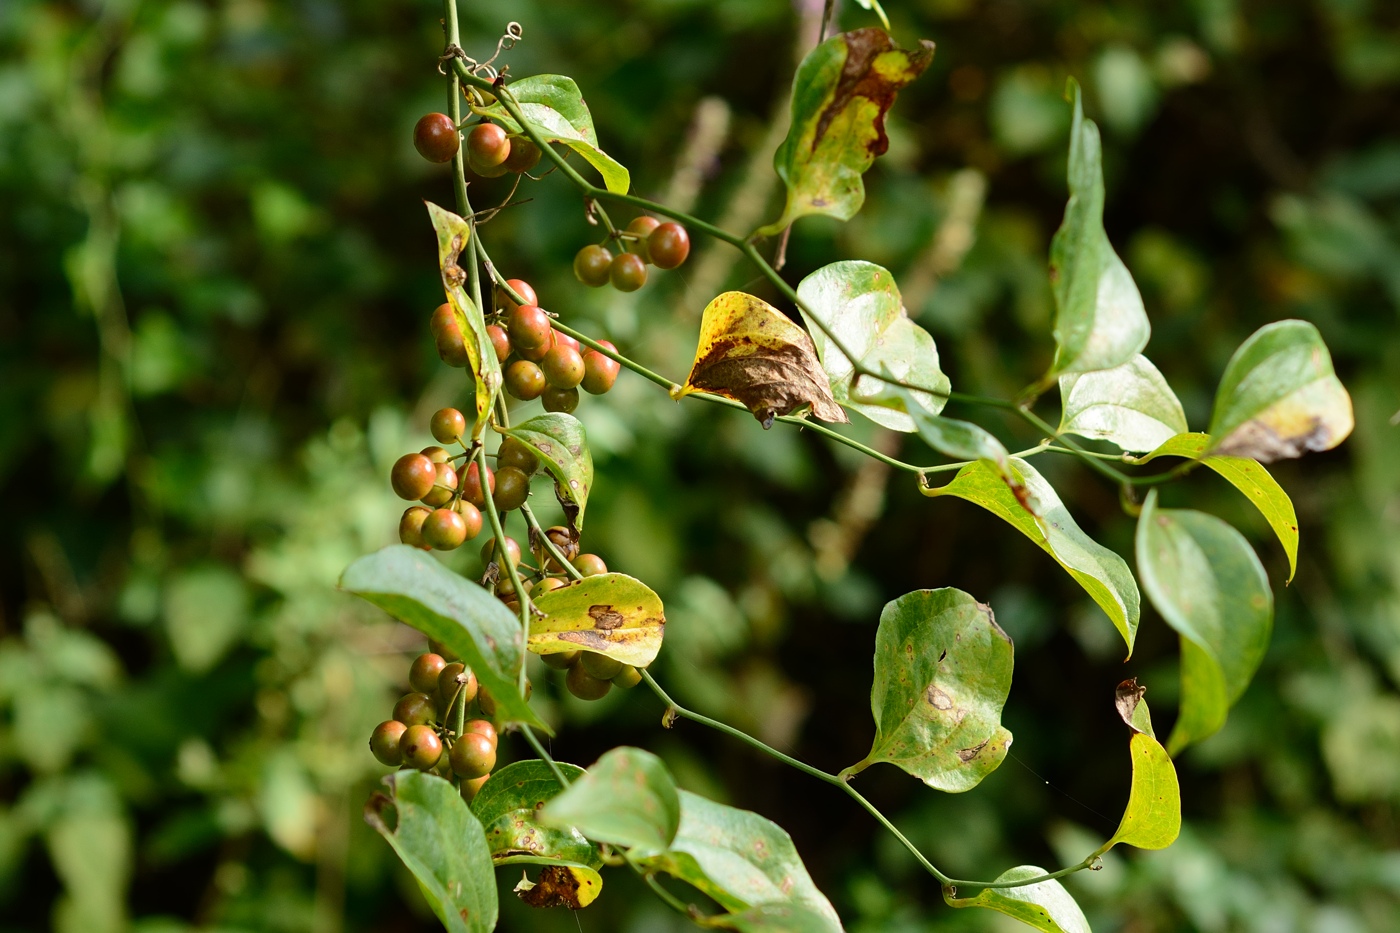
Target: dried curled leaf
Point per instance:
(751, 352)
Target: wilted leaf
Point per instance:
(507, 805)
(453, 234)
(414, 588)
(942, 674)
(1279, 397)
(1250, 478)
(554, 105)
(739, 859)
(1045, 905)
(627, 799)
(1129, 405)
(750, 352)
(610, 614)
(1103, 574)
(560, 442)
(427, 823)
(1208, 584)
(571, 886)
(1100, 322)
(1128, 699)
(840, 95)
(860, 303)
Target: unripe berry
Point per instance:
(522, 288)
(447, 335)
(529, 327)
(435, 137)
(547, 585)
(414, 709)
(584, 685)
(562, 339)
(591, 265)
(436, 454)
(627, 272)
(590, 565)
(413, 476)
(481, 727)
(444, 529)
(512, 548)
(471, 518)
(471, 788)
(448, 425)
(512, 489)
(411, 525)
(473, 756)
(524, 380)
(562, 367)
(599, 372)
(444, 485)
(384, 742)
(642, 226)
(500, 341)
(487, 145)
(471, 484)
(423, 673)
(561, 661)
(454, 677)
(669, 245)
(563, 400)
(627, 678)
(600, 665)
(524, 155)
(516, 453)
(421, 747)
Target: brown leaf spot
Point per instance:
(859, 78)
(967, 754)
(557, 887)
(605, 618)
(937, 698)
(1127, 697)
(772, 380)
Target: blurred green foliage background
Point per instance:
(215, 278)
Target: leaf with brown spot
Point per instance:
(840, 95)
(1128, 699)
(507, 805)
(571, 886)
(611, 614)
(942, 675)
(560, 442)
(453, 235)
(1152, 819)
(750, 352)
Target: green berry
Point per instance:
(421, 747)
(642, 227)
(413, 476)
(600, 665)
(590, 565)
(423, 673)
(516, 453)
(414, 709)
(562, 660)
(411, 525)
(471, 788)
(384, 742)
(564, 400)
(591, 265)
(524, 155)
(444, 485)
(481, 727)
(669, 245)
(435, 137)
(445, 529)
(584, 685)
(512, 489)
(448, 425)
(547, 585)
(628, 678)
(453, 677)
(436, 454)
(512, 548)
(627, 272)
(473, 756)
(524, 380)
(471, 518)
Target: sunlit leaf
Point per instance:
(1045, 905)
(414, 588)
(1279, 397)
(739, 859)
(554, 105)
(942, 674)
(1129, 405)
(750, 352)
(860, 303)
(560, 442)
(840, 95)
(1208, 584)
(960, 440)
(427, 823)
(1128, 698)
(776, 918)
(1103, 574)
(571, 886)
(1249, 477)
(453, 234)
(627, 798)
(1100, 321)
(507, 805)
(610, 614)
(1152, 819)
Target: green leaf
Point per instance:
(942, 674)
(1045, 905)
(206, 609)
(776, 918)
(414, 588)
(560, 442)
(507, 805)
(1100, 322)
(453, 234)
(1208, 584)
(741, 860)
(1103, 574)
(627, 799)
(611, 614)
(1279, 397)
(860, 303)
(840, 95)
(554, 105)
(1250, 478)
(1153, 817)
(439, 840)
(961, 440)
(1130, 406)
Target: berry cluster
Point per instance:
(664, 245)
(490, 150)
(419, 735)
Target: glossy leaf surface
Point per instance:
(627, 798)
(1279, 397)
(860, 303)
(1100, 321)
(1208, 584)
(942, 674)
(438, 839)
(561, 443)
(1103, 574)
(1152, 819)
(750, 352)
(1130, 406)
(840, 95)
(507, 805)
(453, 235)
(414, 588)
(555, 106)
(1045, 905)
(611, 614)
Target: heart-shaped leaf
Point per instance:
(438, 839)
(610, 614)
(1045, 905)
(414, 588)
(840, 95)
(1250, 478)
(739, 859)
(1130, 406)
(860, 303)
(942, 674)
(453, 235)
(750, 352)
(1208, 584)
(1103, 574)
(1279, 397)
(560, 442)
(627, 798)
(554, 105)
(507, 805)
(1152, 819)
(1100, 322)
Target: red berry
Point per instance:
(529, 327)
(522, 288)
(471, 485)
(500, 341)
(444, 529)
(435, 137)
(423, 673)
(413, 476)
(599, 372)
(448, 425)
(562, 367)
(471, 518)
(411, 526)
(642, 227)
(421, 747)
(447, 334)
(487, 145)
(668, 245)
(628, 272)
(384, 742)
(591, 265)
